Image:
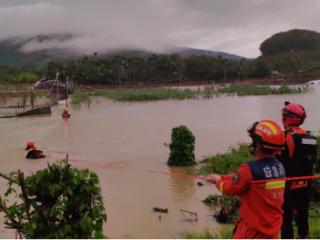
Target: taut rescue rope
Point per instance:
(179, 174)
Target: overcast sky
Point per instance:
(233, 26)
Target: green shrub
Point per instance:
(80, 97)
(316, 183)
(136, 94)
(225, 233)
(181, 147)
(226, 207)
(10, 75)
(256, 90)
(156, 94)
(227, 162)
(204, 234)
(57, 202)
(314, 220)
(317, 166)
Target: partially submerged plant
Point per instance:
(181, 147)
(226, 207)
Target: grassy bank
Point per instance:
(225, 233)
(154, 94)
(135, 95)
(249, 90)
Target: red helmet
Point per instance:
(30, 145)
(268, 134)
(293, 115)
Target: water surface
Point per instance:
(124, 144)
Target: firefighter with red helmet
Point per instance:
(298, 158)
(259, 183)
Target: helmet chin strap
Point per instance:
(253, 148)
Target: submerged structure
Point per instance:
(24, 103)
(35, 100)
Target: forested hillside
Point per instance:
(293, 40)
(37, 51)
(292, 56)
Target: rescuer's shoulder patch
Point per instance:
(235, 178)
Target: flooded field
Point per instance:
(124, 144)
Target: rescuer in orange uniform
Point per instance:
(298, 158)
(259, 184)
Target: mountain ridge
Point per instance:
(18, 52)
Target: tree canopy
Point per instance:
(289, 41)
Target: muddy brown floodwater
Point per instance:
(124, 144)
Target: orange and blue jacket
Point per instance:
(260, 185)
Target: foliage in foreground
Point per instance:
(57, 202)
(225, 233)
(314, 221)
(316, 184)
(181, 147)
(205, 234)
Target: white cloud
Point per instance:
(100, 25)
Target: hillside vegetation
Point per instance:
(293, 40)
(38, 50)
(10, 75)
(292, 56)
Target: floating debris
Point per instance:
(200, 184)
(189, 215)
(160, 210)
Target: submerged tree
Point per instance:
(181, 147)
(57, 202)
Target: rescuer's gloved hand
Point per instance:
(212, 178)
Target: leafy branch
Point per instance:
(57, 202)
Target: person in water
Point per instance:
(33, 152)
(65, 114)
(259, 183)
